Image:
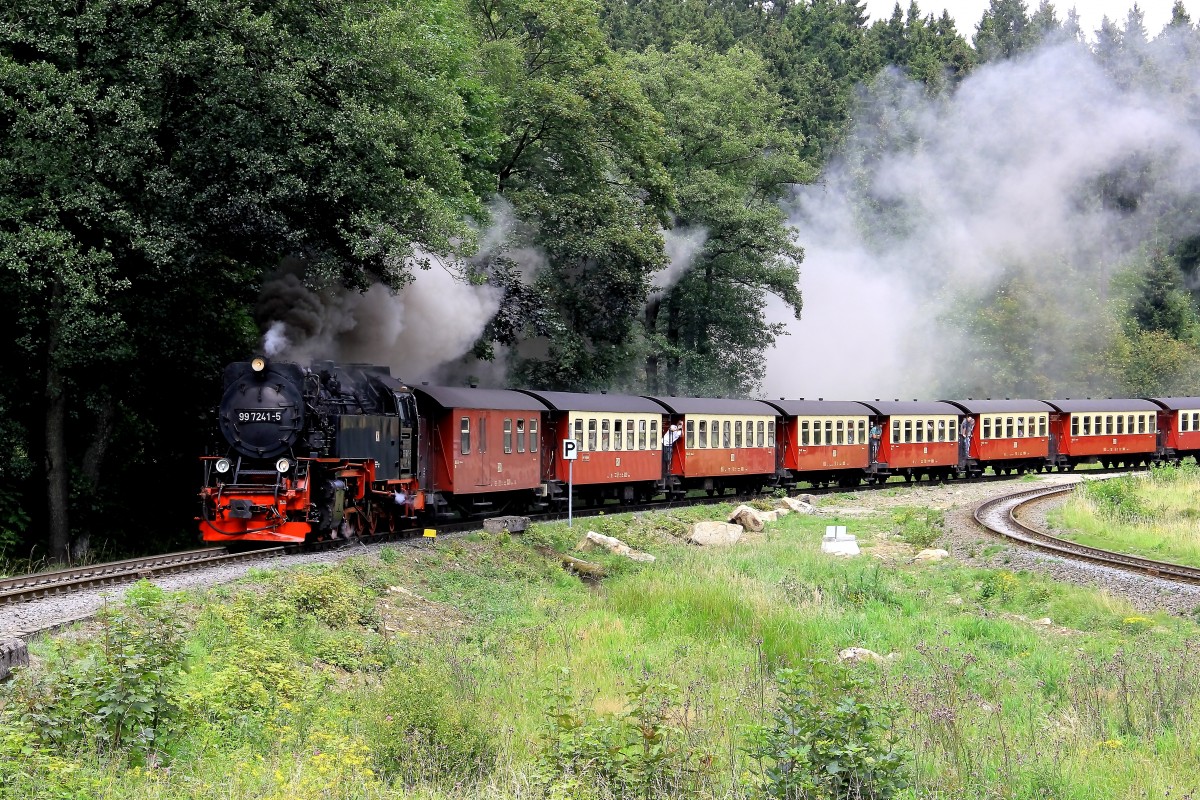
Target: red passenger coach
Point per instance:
(480, 450)
(724, 444)
(1008, 435)
(619, 438)
(919, 439)
(824, 441)
(1108, 431)
(1179, 427)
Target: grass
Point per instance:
(1152, 515)
(438, 673)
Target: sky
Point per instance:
(967, 13)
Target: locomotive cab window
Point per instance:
(465, 436)
(508, 435)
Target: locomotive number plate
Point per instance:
(260, 415)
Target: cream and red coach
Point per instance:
(725, 444)
(619, 439)
(1010, 435)
(1178, 427)
(1110, 432)
(480, 449)
(824, 441)
(919, 439)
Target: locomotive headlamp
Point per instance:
(222, 466)
(258, 364)
(283, 465)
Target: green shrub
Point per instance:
(829, 740)
(419, 729)
(919, 527)
(332, 596)
(640, 752)
(1116, 498)
(113, 692)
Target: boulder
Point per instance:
(782, 512)
(769, 516)
(511, 524)
(1045, 622)
(748, 518)
(797, 505)
(855, 655)
(807, 499)
(595, 540)
(714, 533)
(932, 554)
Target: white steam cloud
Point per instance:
(681, 245)
(934, 199)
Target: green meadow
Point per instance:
(1152, 514)
(480, 668)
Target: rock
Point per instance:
(797, 505)
(613, 545)
(748, 518)
(511, 524)
(954, 601)
(807, 499)
(714, 533)
(857, 654)
(13, 653)
(782, 512)
(769, 516)
(1045, 622)
(932, 554)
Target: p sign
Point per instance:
(570, 450)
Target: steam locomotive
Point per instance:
(342, 450)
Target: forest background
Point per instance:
(564, 194)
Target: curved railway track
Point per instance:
(1000, 516)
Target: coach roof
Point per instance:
(1002, 406)
(1085, 406)
(820, 408)
(600, 403)
(1177, 403)
(892, 407)
(714, 405)
(494, 399)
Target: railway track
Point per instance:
(1000, 515)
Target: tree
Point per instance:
(1004, 31)
(158, 157)
(579, 162)
(731, 159)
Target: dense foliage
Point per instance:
(159, 160)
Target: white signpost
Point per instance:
(569, 454)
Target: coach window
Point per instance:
(533, 443)
(704, 433)
(1195, 420)
(508, 435)
(1129, 423)
(737, 433)
(805, 441)
(762, 434)
(953, 430)
(691, 434)
(1074, 426)
(771, 433)
(483, 434)
(727, 434)
(520, 436)
(1108, 427)
(465, 436)
(1121, 424)
(629, 435)
(591, 440)
(907, 437)
(987, 428)
(841, 432)
(654, 441)
(605, 436)
(929, 431)
(1185, 423)
(579, 433)
(1020, 427)
(618, 435)
(641, 434)
(828, 432)
(1042, 426)
(895, 431)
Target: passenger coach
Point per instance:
(824, 441)
(1009, 435)
(920, 439)
(725, 444)
(1178, 427)
(619, 446)
(1111, 432)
